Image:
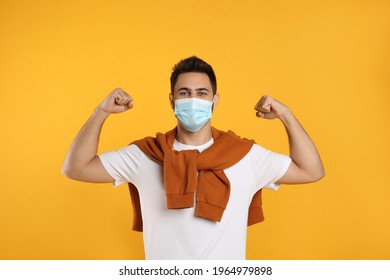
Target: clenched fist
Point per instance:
(117, 101)
(269, 108)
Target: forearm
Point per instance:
(84, 147)
(303, 151)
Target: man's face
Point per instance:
(193, 85)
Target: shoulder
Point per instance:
(259, 154)
(258, 151)
(133, 150)
(130, 151)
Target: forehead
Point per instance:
(193, 80)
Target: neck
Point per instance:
(194, 138)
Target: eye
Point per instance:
(202, 93)
(183, 92)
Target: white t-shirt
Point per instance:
(178, 233)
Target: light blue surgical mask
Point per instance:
(193, 113)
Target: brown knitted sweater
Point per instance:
(188, 173)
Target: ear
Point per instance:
(171, 101)
(215, 100)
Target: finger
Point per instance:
(260, 114)
(267, 103)
(116, 97)
(123, 94)
(129, 106)
(118, 100)
(261, 102)
(127, 100)
(127, 103)
(119, 92)
(266, 107)
(122, 98)
(258, 104)
(264, 104)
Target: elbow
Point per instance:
(66, 171)
(318, 175)
(69, 172)
(323, 174)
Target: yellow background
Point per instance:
(329, 61)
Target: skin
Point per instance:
(83, 164)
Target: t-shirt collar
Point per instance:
(177, 146)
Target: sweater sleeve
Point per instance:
(122, 164)
(267, 167)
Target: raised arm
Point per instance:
(306, 166)
(81, 162)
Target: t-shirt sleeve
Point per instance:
(268, 167)
(122, 164)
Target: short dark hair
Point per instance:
(193, 64)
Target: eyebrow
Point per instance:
(197, 89)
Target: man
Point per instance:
(195, 189)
